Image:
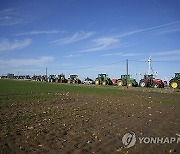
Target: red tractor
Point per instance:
(150, 81)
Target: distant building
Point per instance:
(10, 76)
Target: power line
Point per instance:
(164, 61)
(96, 66)
(82, 68)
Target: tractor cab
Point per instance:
(148, 77)
(125, 76)
(73, 76)
(102, 76)
(177, 75)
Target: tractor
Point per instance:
(127, 81)
(73, 78)
(43, 78)
(61, 79)
(175, 82)
(103, 79)
(51, 78)
(34, 78)
(150, 81)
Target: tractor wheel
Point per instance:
(97, 82)
(174, 84)
(104, 83)
(120, 83)
(162, 85)
(142, 84)
(155, 85)
(129, 84)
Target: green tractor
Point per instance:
(61, 78)
(73, 79)
(126, 80)
(103, 79)
(175, 82)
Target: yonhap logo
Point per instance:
(129, 139)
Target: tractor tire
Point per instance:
(162, 85)
(174, 84)
(142, 84)
(155, 85)
(104, 83)
(130, 84)
(120, 83)
(97, 82)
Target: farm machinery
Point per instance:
(175, 82)
(43, 78)
(103, 79)
(127, 81)
(34, 78)
(88, 81)
(150, 81)
(73, 79)
(61, 79)
(51, 78)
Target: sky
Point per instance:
(87, 37)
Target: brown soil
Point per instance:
(74, 123)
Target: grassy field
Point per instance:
(13, 90)
(19, 91)
(61, 118)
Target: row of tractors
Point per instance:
(103, 79)
(73, 79)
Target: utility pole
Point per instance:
(149, 65)
(127, 73)
(46, 74)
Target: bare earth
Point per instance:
(74, 123)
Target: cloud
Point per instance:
(26, 62)
(134, 54)
(167, 53)
(78, 36)
(9, 17)
(7, 11)
(167, 31)
(123, 54)
(147, 29)
(103, 43)
(36, 32)
(7, 45)
(73, 55)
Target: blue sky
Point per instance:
(96, 35)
